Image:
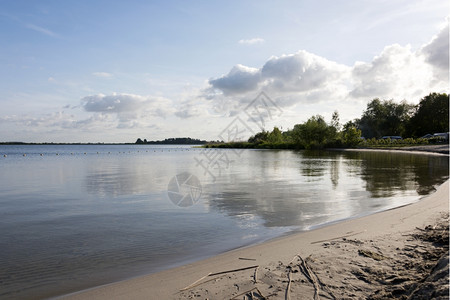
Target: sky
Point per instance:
(114, 71)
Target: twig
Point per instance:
(288, 288)
(255, 275)
(259, 292)
(338, 237)
(320, 283)
(235, 270)
(195, 283)
(250, 291)
(309, 274)
(243, 258)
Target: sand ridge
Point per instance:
(394, 266)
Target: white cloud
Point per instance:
(290, 78)
(189, 109)
(126, 104)
(251, 41)
(301, 72)
(102, 74)
(398, 72)
(240, 79)
(58, 120)
(131, 110)
(115, 103)
(437, 53)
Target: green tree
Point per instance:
(312, 134)
(431, 115)
(259, 138)
(385, 118)
(351, 136)
(275, 137)
(335, 121)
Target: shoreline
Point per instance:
(442, 150)
(268, 256)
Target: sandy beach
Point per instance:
(397, 253)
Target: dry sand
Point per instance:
(398, 253)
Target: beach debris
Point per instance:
(199, 281)
(195, 283)
(312, 277)
(338, 237)
(288, 287)
(244, 258)
(251, 294)
(255, 275)
(234, 270)
(370, 254)
(303, 266)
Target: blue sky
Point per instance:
(113, 71)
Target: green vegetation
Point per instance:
(381, 118)
(387, 118)
(313, 134)
(431, 115)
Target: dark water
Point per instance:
(73, 217)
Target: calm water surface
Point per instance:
(73, 217)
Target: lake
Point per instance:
(77, 216)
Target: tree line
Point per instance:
(381, 118)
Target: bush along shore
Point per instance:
(382, 125)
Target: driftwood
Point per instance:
(244, 258)
(287, 296)
(255, 275)
(260, 295)
(194, 283)
(311, 277)
(198, 282)
(231, 271)
(338, 237)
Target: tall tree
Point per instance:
(313, 133)
(275, 137)
(385, 118)
(431, 116)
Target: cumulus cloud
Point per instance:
(251, 41)
(127, 104)
(189, 109)
(437, 53)
(398, 72)
(301, 72)
(240, 79)
(395, 72)
(115, 103)
(131, 110)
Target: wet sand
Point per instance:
(398, 253)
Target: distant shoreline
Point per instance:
(440, 149)
(89, 144)
(25, 143)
